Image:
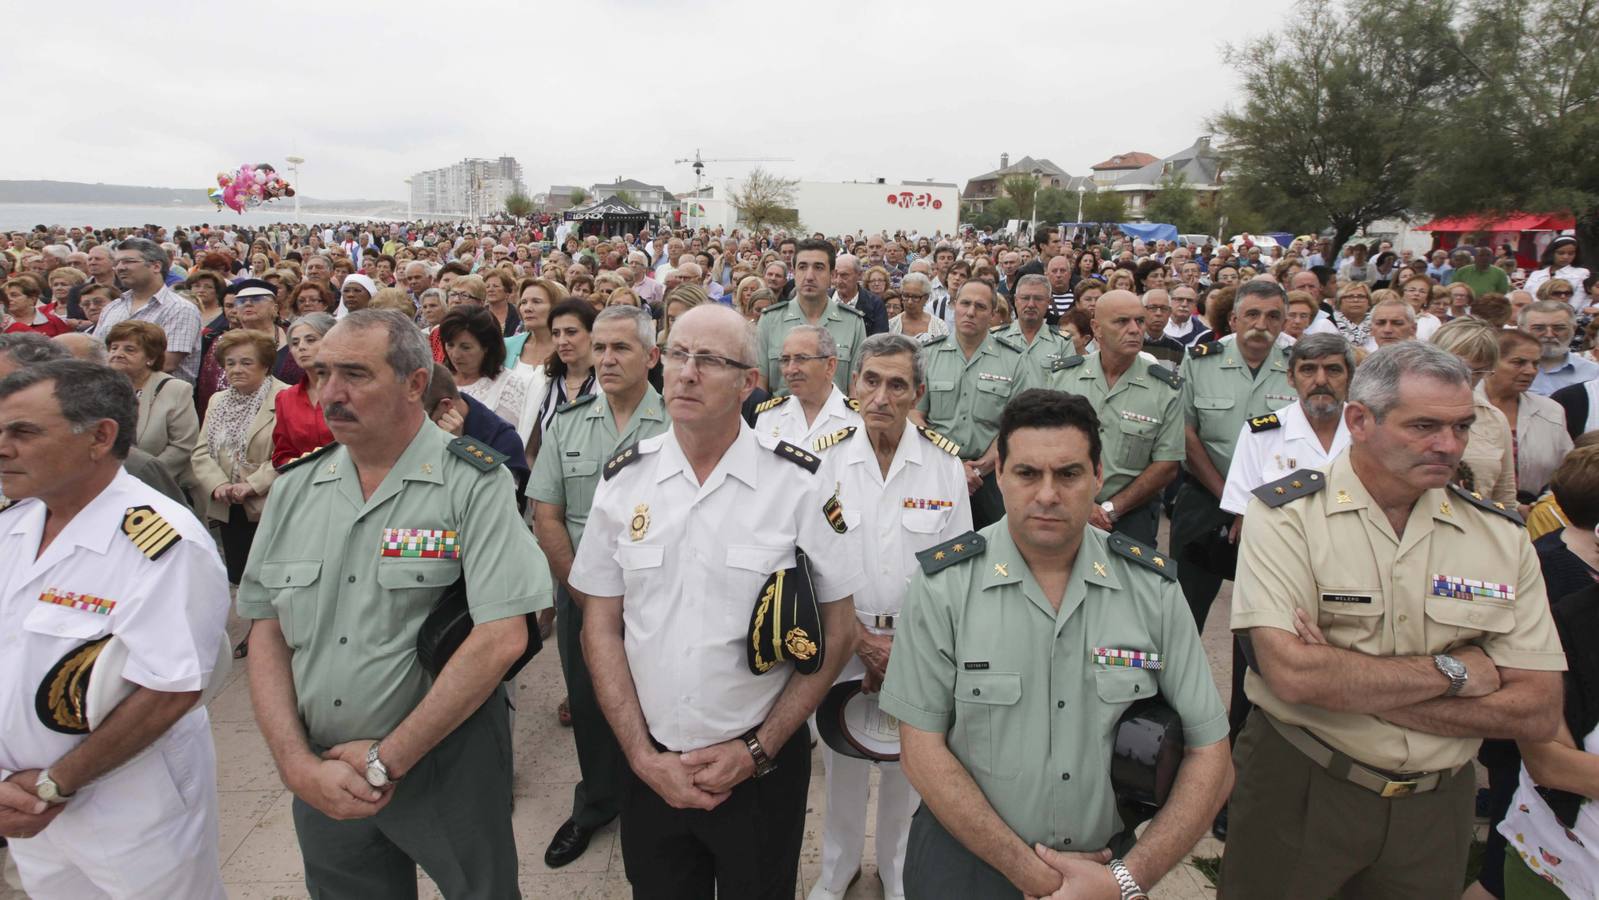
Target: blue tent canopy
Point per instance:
(1149, 231)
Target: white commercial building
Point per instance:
(471, 187)
(838, 208)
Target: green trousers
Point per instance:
(597, 799)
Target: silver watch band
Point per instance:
(1124, 880)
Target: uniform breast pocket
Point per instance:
(1121, 686)
(65, 622)
(411, 588)
(639, 564)
(748, 566)
(990, 401)
(1348, 615)
(1213, 415)
(293, 584)
(1452, 622)
(578, 482)
(941, 401)
(924, 521)
(1137, 442)
(986, 704)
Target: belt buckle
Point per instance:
(1398, 789)
(881, 621)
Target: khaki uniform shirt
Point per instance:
(1140, 419)
(1049, 347)
(965, 396)
(845, 323)
(580, 439)
(1334, 554)
(350, 579)
(1220, 394)
(1022, 691)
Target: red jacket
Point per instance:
(52, 326)
(300, 427)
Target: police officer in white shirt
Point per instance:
(685, 531)
(815, 407)
(904, 489)
(113, 604)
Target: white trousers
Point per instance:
(844, 825)
(148, 829)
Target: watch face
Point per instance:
(375, 777)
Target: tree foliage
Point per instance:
(1104, 206)
(1055, 205)
(625, 197)
(578, 197)
(994, 214)
(519, 205)
(1333, 105)
(1022, 190)
(765, 199)
(1176, 203)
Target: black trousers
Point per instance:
(238, 533)
(748, 847)
(1197, 514)
(988, 505)
(1141, 524)
(598, 796)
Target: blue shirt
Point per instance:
(1575, 370)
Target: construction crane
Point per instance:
(699, 164)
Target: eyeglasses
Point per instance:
(708, 363)
(1561, 293)
(786, 361)
(460, 295)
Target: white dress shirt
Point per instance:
(786, 420)
(1265, 456)
(689, 578)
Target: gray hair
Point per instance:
(1030, 280)
(1545, 306)
(1410, 314)
(825, 344)
(437, 292)
(642, 321)
(917, 279)
(417, 262)
(319, 322)
(29, 348)
(850, 258)
(1321, 346)
(408, 350)
(1259, 288)
(88, 393)
(59, 251)
(889, 344)
(149, 251)
(1376, 383)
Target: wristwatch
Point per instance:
(1110, 509)
(377, 774)
(48, 791)
(763, 763)
(1124, 880)
(1454, 670)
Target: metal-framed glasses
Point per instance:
(677, 358)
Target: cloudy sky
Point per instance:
(167, 94)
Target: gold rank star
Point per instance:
(1446, 509)
(939, 554)
(999, 569)
(1136, 551)
(959, 548)
(1343, 497)
(427, 468)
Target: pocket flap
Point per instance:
(578, 468)
(1213, 402)
(1476, 615)
(1124, 684)
(290, 574)
(408, 574)
(61, 621)
(629, 556)
(994, 688)
(762, 559)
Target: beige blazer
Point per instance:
(1542, 441)
(256, 468)
(1489, 454)
(168, 426)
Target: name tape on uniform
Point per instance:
(420, 543)
(85, 602)
(1471, 589)
(1137, 659)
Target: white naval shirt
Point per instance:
(689, 579)
(922, 502)
(786, 421)
(170, 612)
(1264, 456)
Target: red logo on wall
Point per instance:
(906, 200)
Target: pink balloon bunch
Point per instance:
(249, 187)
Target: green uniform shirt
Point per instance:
(1220, 394)
(1140, 419)
(982, 657)
(578, 442)
(350, 588)
(965, 396)
(846, 324)
(1048, 348)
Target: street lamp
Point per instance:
(407, 199)
(1081, 189)
(294, 179)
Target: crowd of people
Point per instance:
(993, 485)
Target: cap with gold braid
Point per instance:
(786, 623)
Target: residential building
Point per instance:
(987, 187)
(1106, 173)
(652, 198)
(1199, 165)
(472, 187)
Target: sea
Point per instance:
(22, 216)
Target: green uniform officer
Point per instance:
(358, 542)
(1042, 343)
(1226, 383)
(583, 435)
(971, 375)
(1020, 647)
(813, 280)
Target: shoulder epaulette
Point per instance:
(1265, 423)
(1070, 362)
(771, 403)
(482, 457)
(1475, 498)
(853, 404)
(942, 556)
(935, 340)
(1206, 349)
(575, 402)
(847, 308)
(939, 441)
(799, 456)
(775, 307)
(1302, 483)
(1161, 373)
(149, 532)
(828, 440)
(1006, 342)
(6, 503)
(1144, 555)
(306, 457)
(620, 461)
(997, 329)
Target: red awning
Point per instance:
(1512, 222)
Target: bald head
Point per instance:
(713, 323)
(86, 347)
(1119, 326)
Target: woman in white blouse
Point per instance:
(1559, 260)
(474, 349)
(1539, 423)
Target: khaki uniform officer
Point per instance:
(1226, 383)
(1393, 622)
(341, 575)
(813, 277)
(1009, 682)
(582, 437)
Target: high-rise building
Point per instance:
(472, 187)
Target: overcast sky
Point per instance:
(164, 94)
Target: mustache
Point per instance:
(339, 412)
